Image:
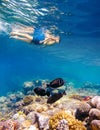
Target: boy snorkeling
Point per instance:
(33, 35)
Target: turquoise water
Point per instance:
(76, 58)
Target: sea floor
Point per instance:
(24, 110)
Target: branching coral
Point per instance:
(67, 121)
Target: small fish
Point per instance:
(41, 92)
(58, 82)
(55, 97)
(87, 98)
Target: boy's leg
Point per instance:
(22, 35)
(20, 38)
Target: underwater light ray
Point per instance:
(21, 11)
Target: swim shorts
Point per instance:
(38, 36)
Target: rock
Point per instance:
(19, 117)
(9, 125)
(95, 102)
(3, 99)
(42, 121)
(95, 125)
(28, 86)
(26, 124)
(82, 111)
(94, 114)
(32, 127)
(32, 116)
(28, 99)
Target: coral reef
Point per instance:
(24, 110)
(58, 120)
(90, 114)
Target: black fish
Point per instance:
(56, 83)
(41, 92)
(55, 97)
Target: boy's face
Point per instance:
(57, 39)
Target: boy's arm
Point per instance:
(48, 41)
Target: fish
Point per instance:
(58, 82)
(56, 96)
(41, 91)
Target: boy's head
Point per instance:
(57, 39)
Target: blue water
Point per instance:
(76, 58)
